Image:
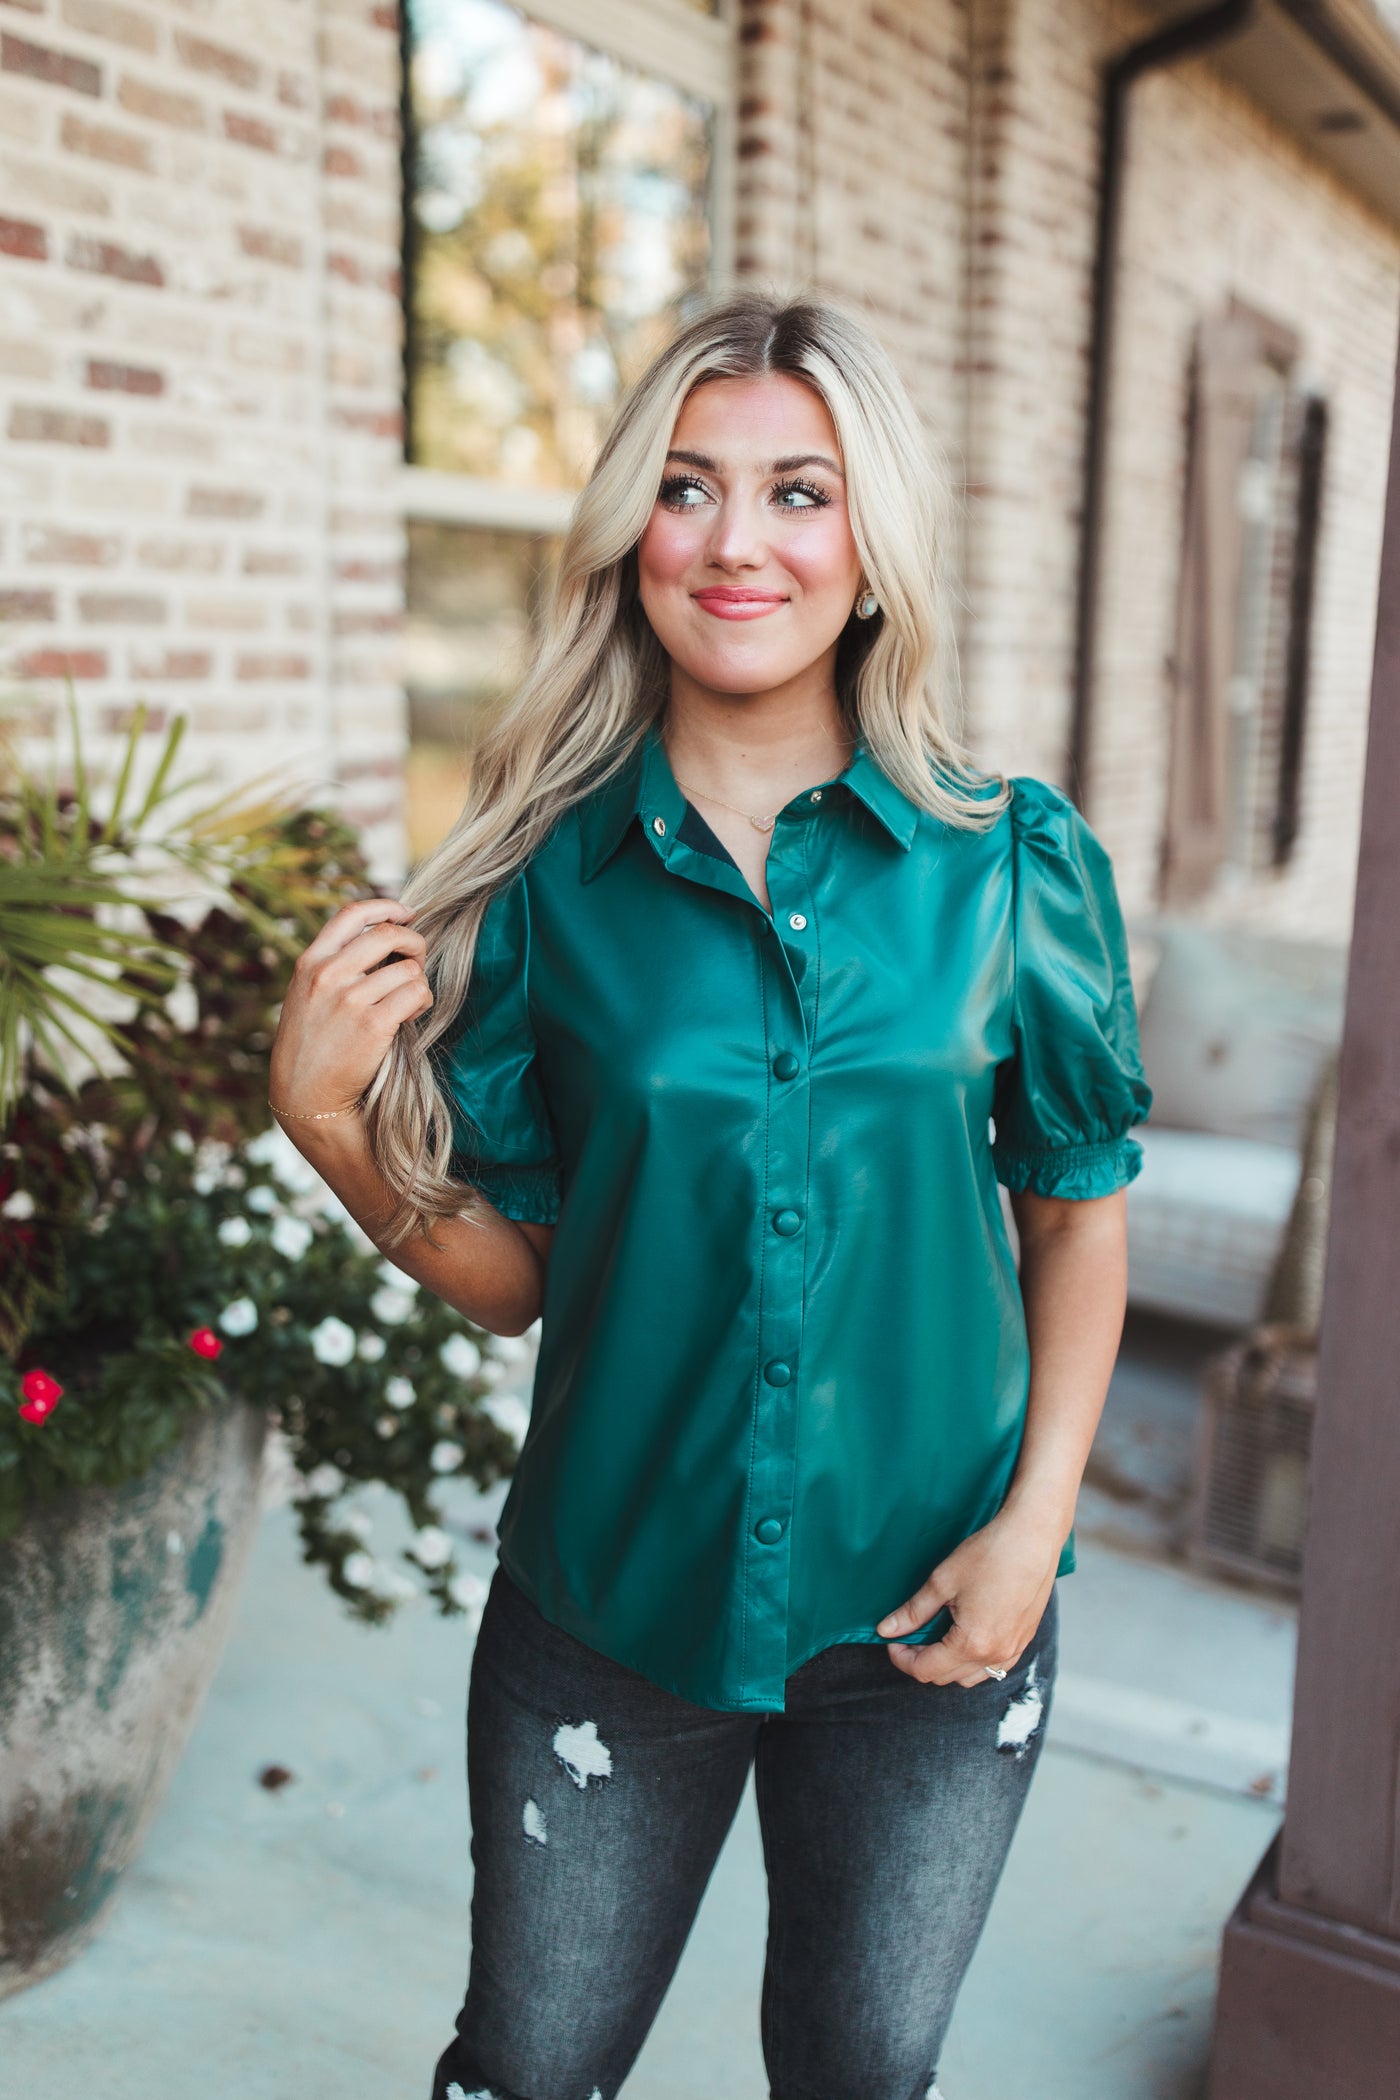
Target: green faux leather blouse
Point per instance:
(783, 1361)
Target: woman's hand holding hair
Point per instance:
(353, 988)
(346, 1002)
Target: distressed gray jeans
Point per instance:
(599, 1804)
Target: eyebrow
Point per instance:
(786, 465)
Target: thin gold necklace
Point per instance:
(758, 823)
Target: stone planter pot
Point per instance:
(114, 1605)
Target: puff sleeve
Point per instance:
(1074, 1086)
(503, 1137)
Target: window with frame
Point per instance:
(1240, 668)
(565, 205)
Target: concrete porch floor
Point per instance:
(311, 1944)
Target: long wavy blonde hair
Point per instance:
(598, 675)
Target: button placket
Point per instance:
(788, 979)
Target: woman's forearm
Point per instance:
(1074, 1285)
(489, 1272)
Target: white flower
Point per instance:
(372, 1347)
(204, 1181)
(446, 1457)
(20, 1205)
(509, 1412)
(397, 1279)
(291, 1237)
(181, 1141)
(460, 1355)
(358, 1522)
(361, 1571)
(273, 1148)
(211, 1158)
(493, 1370)
(467, 1589)
(235, 1232)
(392, 1583)
(332, 1342)
(182, 1005)
(262, 1198)
(399, 1392)
(431, 1547)
(325, 1480)
(387, 1426)
(239, 1318)
(392, 1305)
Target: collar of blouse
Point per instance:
(646, 787)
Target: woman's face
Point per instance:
(747, 568)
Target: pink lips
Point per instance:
(738, 605)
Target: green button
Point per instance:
(777, 1373)
(770, 1530)
(785, 1065)
(787, 1222)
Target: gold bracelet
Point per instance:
(324, 1115)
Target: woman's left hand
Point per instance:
(997, 1584)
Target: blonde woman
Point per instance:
(689, 1042)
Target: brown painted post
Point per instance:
(1309, 2002)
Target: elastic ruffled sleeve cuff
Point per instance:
(530, 1195)
(1074, 1086)
(1074, 1171)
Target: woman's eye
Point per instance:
(814, 498)
(677, 486)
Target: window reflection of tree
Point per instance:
(558, 201)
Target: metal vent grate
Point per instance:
(1249, 1503)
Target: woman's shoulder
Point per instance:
(1045, 818)
(1033, 800)
(1031, 806)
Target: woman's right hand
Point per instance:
(345, 1004)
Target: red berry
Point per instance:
(42, 1394)
(205, 1342)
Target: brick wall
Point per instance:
(853, 171)
(200, 346)
(952, 157)
(199, 378)
(1221, 199)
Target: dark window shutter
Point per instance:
(1221, 420)
(1244, 604)
(1312, 443)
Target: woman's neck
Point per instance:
(755, 756)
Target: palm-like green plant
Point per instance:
(106, 911)
(57, 874)
(81, 891)
(149, 1217)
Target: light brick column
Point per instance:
(363, 321)
(199, 385)
(852, 175)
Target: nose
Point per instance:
(736, 538)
